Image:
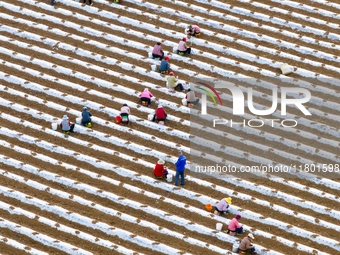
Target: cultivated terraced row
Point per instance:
(93, 192)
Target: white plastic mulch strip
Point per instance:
(268, 18)
(42, 173)
(216, 47)
(53, 224)
(178, 133)
(92, 32)
(104, 137)
(20, 246)
(93, 105)
(88, 54)
(183, 109)
(261, 189)
(315, 100)
(123, 143)
(223, 26)
(40, 115)
(259, 217)
(142, 47)
(38, 237)
(85, 221)
(59, 179)
(221, 59)
(106, 210)
(328, 3)
(297, 5)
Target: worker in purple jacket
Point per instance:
(157, 51)
(180, 167)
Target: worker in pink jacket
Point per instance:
(157, 51)
(183, 47)
(194, 30)
(235, 227)
(125, 112)
(223, 206)
(145, 96)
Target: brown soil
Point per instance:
(119, 161)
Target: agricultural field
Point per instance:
(93, 191)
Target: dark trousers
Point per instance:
(237, 230)
(84, 123)
(125, 114)
(195, 102)
(249, 251)
(179, 174)
(71, 128)
(154, 118)
(188, 50)
(90, 1)
(220, 211)
(158, 56)
(145, 99)
(179, 86)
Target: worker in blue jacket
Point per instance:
(180, 167)
(164, 66)
(86, 118)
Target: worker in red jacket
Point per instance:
(160, 170)
(160, 114)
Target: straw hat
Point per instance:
(65, 117)
(161, 162)
(228, 200)
(160, 106)
(251, 236)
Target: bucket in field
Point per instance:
(150, 116)
(153, 68)
(219, 226)
(184, 102)
(150, 54)
(235, 246)
(285, 69)
(118, 119)
(208, 207)
(54, 126)
(78, 121)
(169, 178)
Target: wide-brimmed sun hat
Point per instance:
(251, 236)
(161, 162)
(228, 199)
(65, 117)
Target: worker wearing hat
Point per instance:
(160, 114)
(183, 47)
(160, 171)
(223, 206)
(66, 125)
(193, 30)
(246, 245)
(173, 82)
(164, 67)
(234, 227)
(86, 117)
